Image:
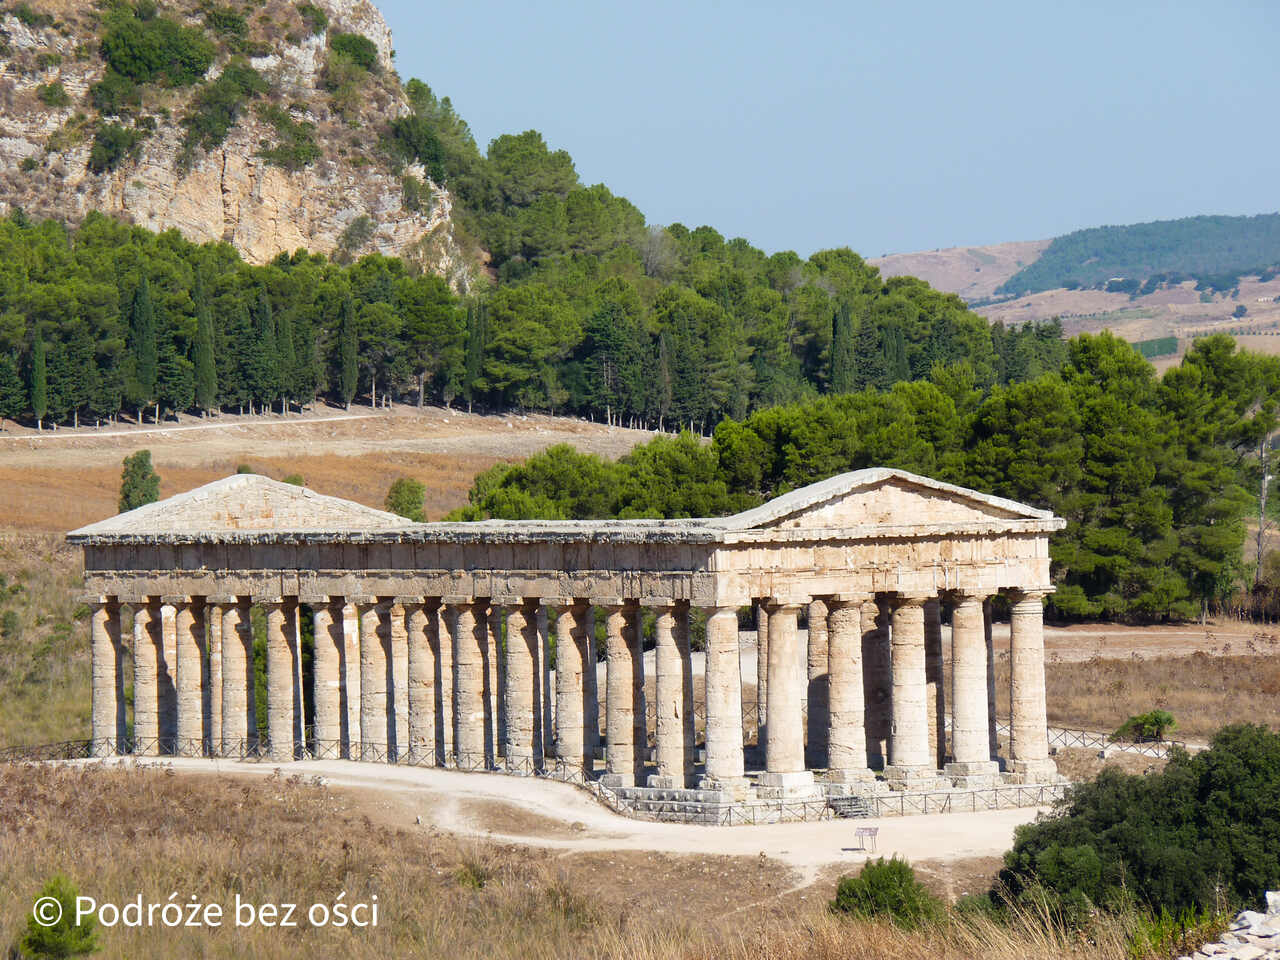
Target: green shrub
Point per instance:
(30, 18)
(1152, 725)
(295, 479)
(1204, 833)
(417, 195)
(414, 139)
(316, 19)
(48, 59)
(215, 109)
(226, 23)
(360, 49)
(245, 468)
(359, 232)
(28, 164)
(156, 50)
(343, 78)
(887, 888)
(115, 95)
(65, 938)
(11, 625)
(407, 497)
(53, 94)
(139, 482)
(112, 145)
(297, 146)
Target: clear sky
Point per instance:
(884, 126)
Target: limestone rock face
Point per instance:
(230, 193)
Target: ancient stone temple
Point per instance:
(475, 645)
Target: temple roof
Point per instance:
(863, 503)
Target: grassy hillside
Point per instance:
(1213, 250)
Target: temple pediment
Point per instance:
(883, 498)
(245, 503)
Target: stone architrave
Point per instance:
(146, 708)
(423, 640)
(847, 737)
(877, 682)
(818, 690)
(1029, 760)
(724, 766)
(104, 627)
(970, 764)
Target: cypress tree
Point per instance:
(264, 369)
(39, 383)
(287, 361)
(868, 362)
(476, 333)
(206, 368)
(348, 368)
(842, 351)
(306, 380)
(142, 336)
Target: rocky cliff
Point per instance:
(351, 198)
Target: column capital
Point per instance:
(223, 599)
(611, 602)
(562, 602)
(910, 600)
(177, 598)
(408, 601)
(846, 600)
(1028, 594)
(776, 604)
(267, 600)
(961, 594)
(99, 599)
(457, 600)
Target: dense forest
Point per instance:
(109, 319)
(1153, 474)
(1214, 251)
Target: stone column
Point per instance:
(818, 686)
(470, 636)
(522, 746)
(167, 677)
(445, 618)
(724, 766)
(762, 670)
(326, 666)
(1029, 760)
(280, 680)
(146, 710)
(375, 641)
(572, 653)
(674, 698)
(639, 706)
(108, 700)
(993, 734)
(971, 764)
(910, 761)
(423, 638)
(495, 675)
(785, 771)
(398, 684)
(935, 694)
(350, 677)
(188, 638)
(847, 736)
(620, 725)
(877, 681)
(239, 709)
(213, 691)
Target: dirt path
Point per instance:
(562, 817)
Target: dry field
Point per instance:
(120, 833)
(56, 481)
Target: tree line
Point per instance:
(1154, 475)
(108, 319)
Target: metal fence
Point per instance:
(1093, 740)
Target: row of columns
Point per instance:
(429, 680)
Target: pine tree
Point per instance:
(13, 395)
(206, 368)
(142, 342)
(477, 318)
(139, 482)
(843, 371)
(39, 383)
(348, 366)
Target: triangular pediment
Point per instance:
(881, 497)
(244, 503)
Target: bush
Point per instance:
(361, 50)
(66, 938)
(112, 144)
(358, 233)
(314, 17)
(407, 497)
(28, 164)
(216, 108)
(1152, 725)
(156, 50)
(1202, 834)
(297, 147)
(226, 23)
(887, 888)
(114, 95)
(139, 482)
(295, 479)
(413, 138)
(53, 94)
(30, 18)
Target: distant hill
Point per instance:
(1213, 251)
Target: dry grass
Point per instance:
(121, 832)
(1204, 692)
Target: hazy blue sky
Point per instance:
(885, 126)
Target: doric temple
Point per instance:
(475, 645)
